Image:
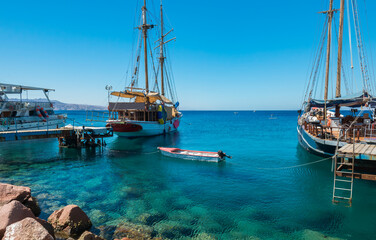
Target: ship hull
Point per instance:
(315, 145)
(134, 129)
(37, 125)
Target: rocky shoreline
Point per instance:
(19, 220)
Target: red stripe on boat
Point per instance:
(125, 127)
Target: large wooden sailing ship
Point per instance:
(328, 123)
(139, 111)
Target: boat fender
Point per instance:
(38, 111)
(161, 115)
(44, 113)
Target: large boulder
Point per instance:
(70, 221)
(28, 228)
(47, 226)
(10, 192)
(89, 236)
(11, 213)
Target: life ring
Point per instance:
(38, 111)
(373, 125)
(11, 107)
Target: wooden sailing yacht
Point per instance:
(322, 126)
(147, 112)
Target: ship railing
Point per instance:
(18, 105)
(13, 124)
(344, 132)
(99, 116)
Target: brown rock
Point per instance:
(70, 221)
(28, 228)
(47, 226)
(32, 203)
(10, 192)
(11, 213)
(134, 231)
(89, 236)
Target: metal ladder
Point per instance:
(344, 165)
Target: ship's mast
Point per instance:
(340, 39)
(145, 28)
(330, 17)
(162, 58)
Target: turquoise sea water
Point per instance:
(236, 199)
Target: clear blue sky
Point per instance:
(242, 54)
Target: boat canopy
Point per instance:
(355, 100)
(13, 88)
(140, 96)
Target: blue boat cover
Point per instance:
(355, 100)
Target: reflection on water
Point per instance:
(128, 181)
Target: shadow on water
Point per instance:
(144, 144)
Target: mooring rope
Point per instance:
(300, 165)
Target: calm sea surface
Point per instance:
(241, 198)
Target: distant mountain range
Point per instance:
(67, 106)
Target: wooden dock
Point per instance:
(68, 136)
(359, 149)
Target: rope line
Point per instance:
(300, 165)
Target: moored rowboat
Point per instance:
(193, 155)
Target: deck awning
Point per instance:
(14, 88)
(354, 100)
(141, 96)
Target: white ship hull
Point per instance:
(133, 129)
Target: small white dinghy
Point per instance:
(194, 155)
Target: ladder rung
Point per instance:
(341, 197)
(347, 164)
(341, 180)
(344, 189)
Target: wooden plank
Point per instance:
(373, 153)
(370, 149)
(350, 148)
(364, 149)
(344, 148)
(370, 177)
(358, 147)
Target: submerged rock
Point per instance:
(10, 192)
(32, 203)
(310, 234)
(28, 228)
(134, 231)
(89, 236)
(70, 221)
(11, 213)
(151, 219)
(172, 230)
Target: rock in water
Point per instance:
(27, 228)
(89, 236)
(11, 213)
(32, 203)
(10, 192)
(70, 221)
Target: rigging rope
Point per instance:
(296, 166)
